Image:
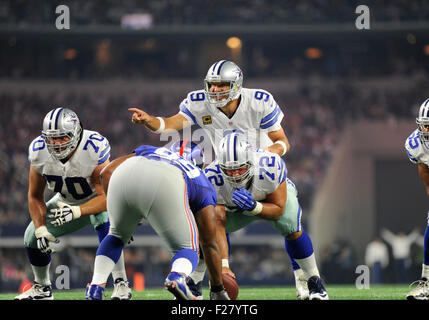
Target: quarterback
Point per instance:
(251, 185)
(417, 148)
(225, 106)
(68, 159)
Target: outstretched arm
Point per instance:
(159, 124)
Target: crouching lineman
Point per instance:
(158, 185)
(251, 185)
(68, 159)
(417, 148)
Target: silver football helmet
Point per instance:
(223, 72)
(236, 153)
(61, 123)
(423, 123)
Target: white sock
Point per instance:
(119, 269)
(308, 266)
(182, 265)
(41, 274)
(199, 272)
(102, 268)
(299, 274)
(425, 271)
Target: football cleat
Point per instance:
(121, 290)
(36, 292)
(94, 292)
(196, 289)
(316, 289)
(176, 284)
(221, 295)
(420, 290)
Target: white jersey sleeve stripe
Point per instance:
(188, 113)
(266, 125)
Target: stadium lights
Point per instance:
(70, 54)
(313, 53)
(234, 43)
(426, 49)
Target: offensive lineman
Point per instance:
(224, 106)
(170, 193)
(251, 185)
(68, 159)
(417, 148)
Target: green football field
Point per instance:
(336, 292)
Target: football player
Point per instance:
(417, 148)
(222, 107)
(252, 185)
(170, 193)
(68, 159)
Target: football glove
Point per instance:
(64, 213)
(244, 199)
(43, 237)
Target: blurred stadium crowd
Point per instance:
(352, 80)
(208, 12)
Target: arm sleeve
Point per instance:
(272, 116)
(185, 111)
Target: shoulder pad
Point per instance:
(97, 146)
(413, 147)
(38, 153)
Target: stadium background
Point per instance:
(350, 99)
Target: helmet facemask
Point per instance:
(220, 99)
(241, 180)
(423, 128)
(223, 72)
(59, 124)
(235, 153)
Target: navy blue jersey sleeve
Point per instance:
(201, 193)
(144, 150)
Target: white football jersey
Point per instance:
(73, 178)
(416, 152)
(269, 171)
(257, 115)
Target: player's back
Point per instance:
(200, 190)
(73, 178)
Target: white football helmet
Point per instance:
(223, 72)
(423, 122)
(60, 123)
(235, 153)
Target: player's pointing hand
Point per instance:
(139, 116)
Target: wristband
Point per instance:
(225, 263)
(257, 209)
(283, 145)
(161, 126)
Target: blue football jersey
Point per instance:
(201, 192)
